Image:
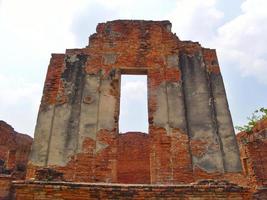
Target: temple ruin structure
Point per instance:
(191, 138)
(190, 128)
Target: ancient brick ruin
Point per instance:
(14, 152)
(190, 150)
(191, 134)
(253, 153)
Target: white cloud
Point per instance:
(135, 90)
(15, 90)
(84, 22)
(242, 41)
(195, 20)
(139, 9)
(117, 3)
(19, 102)
(38, 25)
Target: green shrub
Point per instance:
(252, 121)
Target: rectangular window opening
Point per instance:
(133, 104)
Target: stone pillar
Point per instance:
(225, 128)
(170, 156)
(204, 141)
(42, 134)
(64, 131)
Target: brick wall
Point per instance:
(253, 150)
(133, 158)
(14, 150)
(5, 186)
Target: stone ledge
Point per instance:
(203, 185)
(202, 190)
(5, 176)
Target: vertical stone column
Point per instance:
(64, 132)
(170, 156)
(43, 127)
(204, 141)
(160, 155)
(181, 162)
(85, 162)
(224, 122)
(107, 128)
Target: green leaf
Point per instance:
(252, 120)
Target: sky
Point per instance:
(30, 30)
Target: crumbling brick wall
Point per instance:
(5, 186)
(253, 149)
(191, 134)
(14, 151)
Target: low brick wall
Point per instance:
(253, 153)
(81, 191)
(261, 193)
(5, 186)
(133, 162)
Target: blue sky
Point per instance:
(30, 30)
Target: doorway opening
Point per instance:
(133, 104)
(133, 164)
